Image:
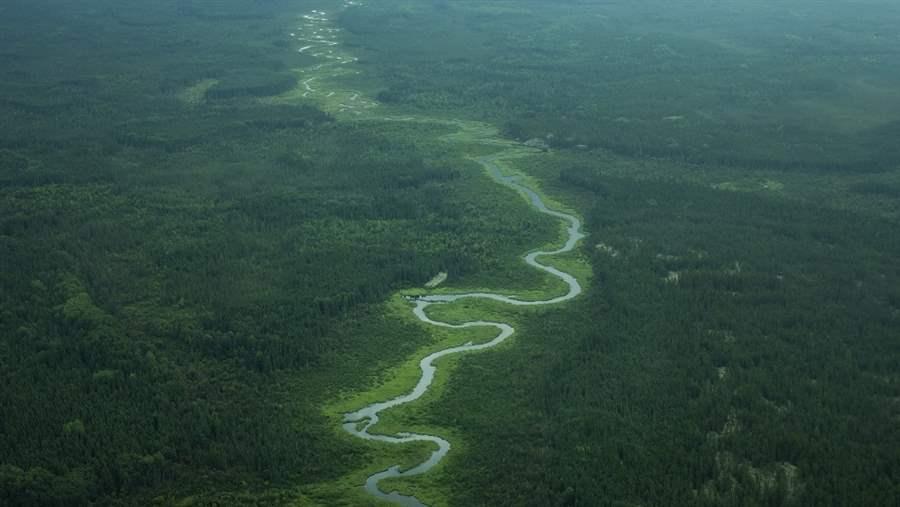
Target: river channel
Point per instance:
(361, 421)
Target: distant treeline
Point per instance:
(619, 77)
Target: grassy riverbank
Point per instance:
(739, 188)
(202, 250)
(432, 488)
(188, 277)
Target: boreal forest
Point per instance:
(450, 253)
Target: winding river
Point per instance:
(316, 36)
(359, 422)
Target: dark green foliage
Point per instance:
(617, 399)
(796, 87)
(12, 164)
(164, 306)
(252, 84)
(184, 282)
(877, 189)
(188, 273)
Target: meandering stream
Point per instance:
(359, 422)
(315, 35)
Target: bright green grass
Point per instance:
(398, 380)
(458, 139)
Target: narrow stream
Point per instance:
(358, 423)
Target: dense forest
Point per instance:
(733, 350)
(804, 86)
(191, 267)
(738, 343)
(185, 278)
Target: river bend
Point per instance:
(361, 421)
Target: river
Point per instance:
(361, 421)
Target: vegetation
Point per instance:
(201, 268)
(801, 86)
(734, 350)
(737, 344)
(186, 282)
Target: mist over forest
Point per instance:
(231, 230)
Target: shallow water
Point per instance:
(359, 422)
